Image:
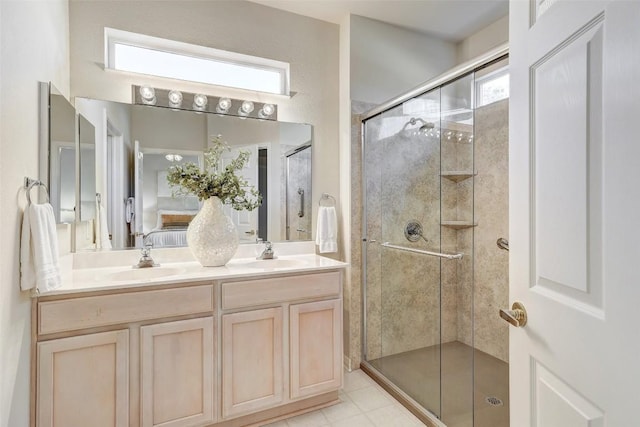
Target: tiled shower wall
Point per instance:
(491, 205)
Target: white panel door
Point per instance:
(573, 181)
(138, 184)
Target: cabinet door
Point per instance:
(84, 381)
(252, 361)
(315, 347)
(176, 362)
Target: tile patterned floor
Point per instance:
(363, 404)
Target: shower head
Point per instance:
(424, 125)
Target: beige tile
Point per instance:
(391, 416)
(356, 380)
(409, 415)
(282, 423)
(311, 419)
(357, 421)
(345, 409)
(370, 398)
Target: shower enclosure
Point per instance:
(435, 201)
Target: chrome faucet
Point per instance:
(268, 251)
(146, 261)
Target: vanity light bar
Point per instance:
(178, 100)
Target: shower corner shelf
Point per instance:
(457, 176)
(458, 225)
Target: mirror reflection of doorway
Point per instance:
(263, 176)
(298, 192)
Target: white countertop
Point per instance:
(110, 277)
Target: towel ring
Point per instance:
(328, 197)
(30, 183)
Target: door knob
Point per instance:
(517, 316)
(250, 233)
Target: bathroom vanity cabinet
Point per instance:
(228, 352)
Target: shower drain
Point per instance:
(493, 401)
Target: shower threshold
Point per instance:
(442, 376)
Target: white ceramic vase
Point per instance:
(212, 236)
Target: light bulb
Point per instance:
(173, 157)
(266, 111)
(148, 95)
(200, 102)
(175, 98)
(223, 105)
(246, 108)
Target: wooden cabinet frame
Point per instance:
(111, 343)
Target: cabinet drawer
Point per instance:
(89, 312)
(268, 291)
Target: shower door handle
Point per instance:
(517, 316)
(301, 194)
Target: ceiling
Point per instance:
(451, 20)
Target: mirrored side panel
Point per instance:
(58, 152)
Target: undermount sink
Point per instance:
(275, 263)
(144, 273)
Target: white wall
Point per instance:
(34, 46)
(309, 45)
(164, 128)
(484, 40)
(387, 61)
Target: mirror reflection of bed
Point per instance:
(165, 215)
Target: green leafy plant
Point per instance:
(213, 180)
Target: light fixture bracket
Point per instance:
(162, 101)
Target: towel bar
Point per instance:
(329, 197)
(421, 251)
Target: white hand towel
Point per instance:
(327, 230)
(103, 229)
(39, 249)
(27, 270)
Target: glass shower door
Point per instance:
(403, 284)
(458, 225)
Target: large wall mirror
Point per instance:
(126, 150)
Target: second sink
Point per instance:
(275, 263)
